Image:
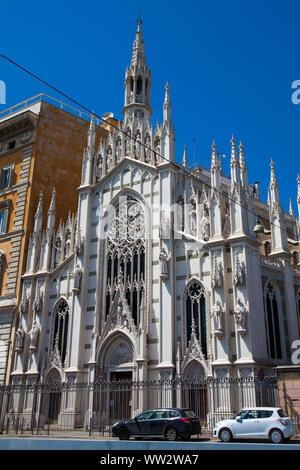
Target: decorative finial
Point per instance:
(185, 159)
(215, 162)
(167, 94)
(139, 21)
(291, 210)
(52, 203)
(234, 158)
(273, 174)
(40, 205)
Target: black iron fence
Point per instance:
(43, 408)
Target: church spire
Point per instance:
(138, 53)
(138, 80)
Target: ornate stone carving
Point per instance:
(239, 275)
(204, 225)
(122, 355)
(163, 257)
(194, 352)
(20, 335)
(37, 306)
(33, 336)
(77, 279)
(79, 243)
(217, 273)
(54, 359)
(240, 314)
(217, 315)
(23, 307)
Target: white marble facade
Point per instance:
(159, 273)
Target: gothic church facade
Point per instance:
(160, 273)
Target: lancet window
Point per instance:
(126, 250)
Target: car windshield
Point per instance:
(281, 413)
(145, 415)
(189, 414)
(242, 414)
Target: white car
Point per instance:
(256, 423)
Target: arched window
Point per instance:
(273, 322)
(126, 255)
(60, 328)
(195, 306)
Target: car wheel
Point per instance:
(276, 436)
(171, 434)
(225, 435)
(124, 434)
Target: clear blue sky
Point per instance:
(230, 65)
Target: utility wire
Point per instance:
(177, 165)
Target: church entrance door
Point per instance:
(120, 395)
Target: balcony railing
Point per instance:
(49, 99)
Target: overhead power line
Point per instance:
(175, 164)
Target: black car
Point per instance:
(169, 423)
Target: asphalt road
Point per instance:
(37, 443)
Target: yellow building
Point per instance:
(41, 146)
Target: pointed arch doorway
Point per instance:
(117, 365)
(195, 393)
(53, 401)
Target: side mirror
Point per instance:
(238, 418)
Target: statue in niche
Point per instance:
(23, 304)
(163, 258)
(77, 279)
(38, 301)
(20, 334)
(240, 314)
(109, 156)
(67, 247)
(217, 273)
(193, 216)
(239, 272)
(79, 243)
(98, 166)
(57, 246)
(205, 227)
(180, 214)
(33, 335)
(147, 150)
(118, 150)
(217, 315)
(128, 143)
